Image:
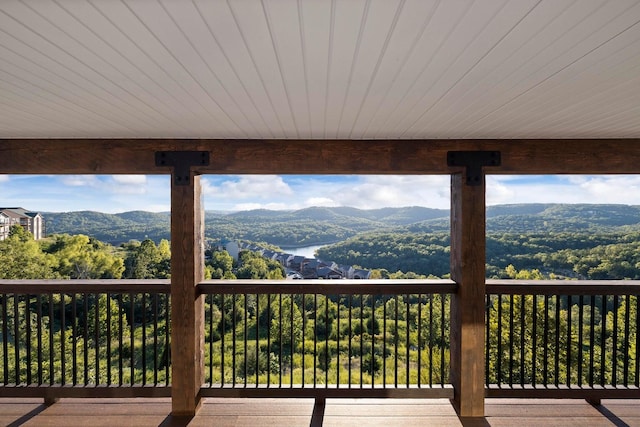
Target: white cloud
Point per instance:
(119, 193)
(320, 201)
(271, 206)
(129, 179)
(394, 191)
(247, 187)
(4, 178)
(618, 189)
(80, 180)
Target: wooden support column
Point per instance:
(467, 306)
(187, 307)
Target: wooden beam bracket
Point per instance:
(473, 161)
(182, 162)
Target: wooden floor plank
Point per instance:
(299, 412)
(392, 421)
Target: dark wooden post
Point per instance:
(187, 307)
(467, 306)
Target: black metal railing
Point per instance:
(329, 338)
(318, 338)
(75, 335)
(562, 338)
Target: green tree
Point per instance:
(21, 257)
(285, 315)
(148, 261)
(221, 265)
(81, 257)
(254, 266)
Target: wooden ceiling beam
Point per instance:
(127, 156)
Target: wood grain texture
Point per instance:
(127, 156)
(187, 307)
(468, 247)
(298, 412)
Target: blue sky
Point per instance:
(120, 193)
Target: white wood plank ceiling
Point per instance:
(324, 69)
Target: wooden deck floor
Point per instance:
(301, 412)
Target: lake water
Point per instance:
(306, 251)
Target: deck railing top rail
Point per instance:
(562, 287)
(329, 287)
(43, 286)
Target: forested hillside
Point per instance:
(303, 227)
(584, 241)
(574, 241)
(313, 226)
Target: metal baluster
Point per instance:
(281, 361)
(222, 334)
(351, 336)
(430, 340)
(499, 362)
(85, 336)
(303, 310)
(315, 339)
(144, 338)
(545, 342)
(108, 339)
(396, 339)
(568, 361)
(155, 339)
(637, 374)
(132, 335)
(326, 341)
(5, 340)
(338, 344)
(233, 340)
(384, 340)
(244, 338)
(614, 357)
(27, 310)
(534, 340)
(442, 334)
(39, 323)
(523, 314)
(167, 313)
(120, 338)
(373, 342)
(361, 340)
(511, 340)
(268, 340)
(625, 359)
(592, 334)
(258, 339)
(51, 365)
(406, 317)
(557, 349)
(62, 342)
(16, 336)
(74, 339)
(96, 336)
(420, 343)
(603, 341)
(580, 337)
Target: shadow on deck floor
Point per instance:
(303, 412)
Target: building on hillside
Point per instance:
(5, 225)
(232, 247)
(33, 222)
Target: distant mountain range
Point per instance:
(320, 225)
